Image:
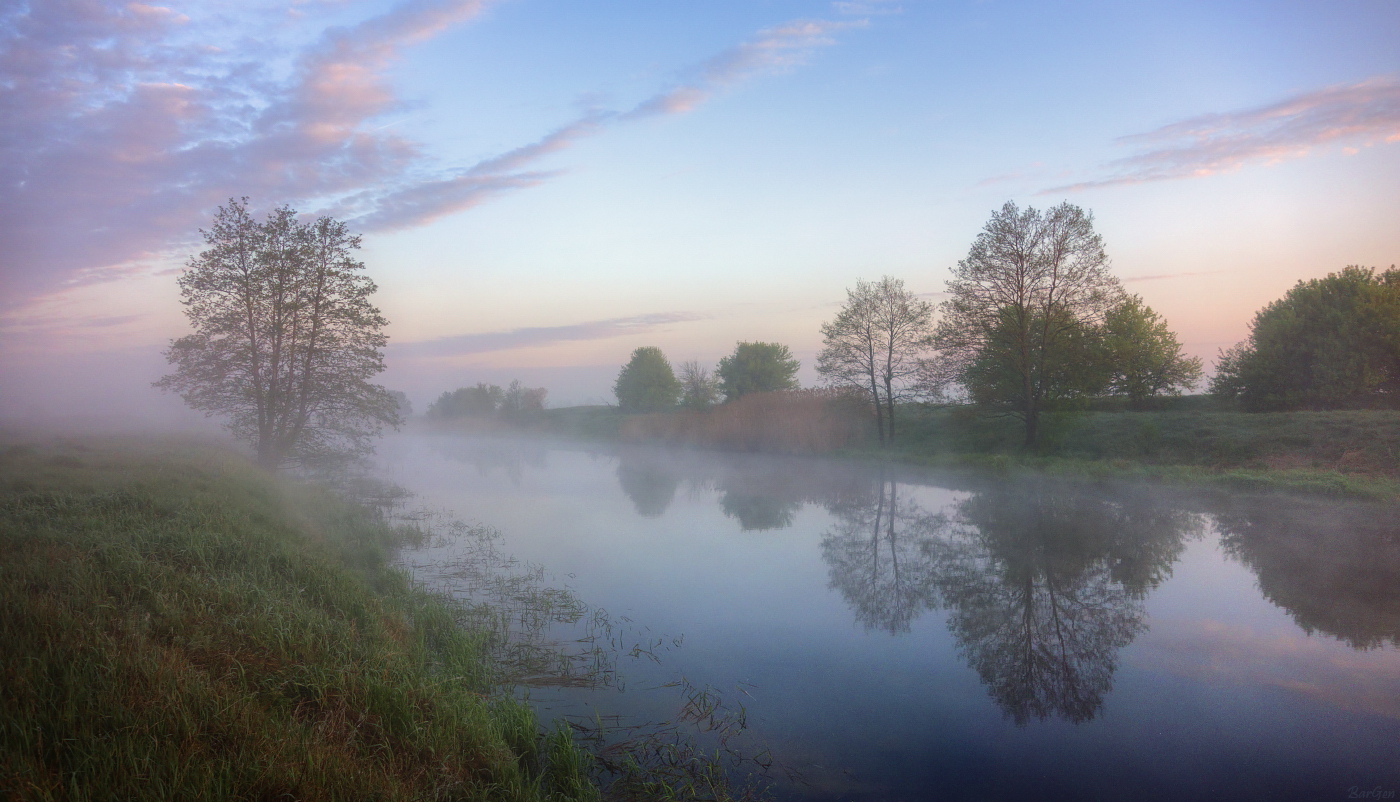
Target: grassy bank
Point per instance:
(1344, 452)
(177, 625)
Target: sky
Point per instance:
(543, 186)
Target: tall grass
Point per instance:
(785, 422)
(177, 625)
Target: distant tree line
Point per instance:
(647, 383)
(1034, 321)
(486, 400)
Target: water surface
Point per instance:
(896, 635)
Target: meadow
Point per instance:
(179, 624)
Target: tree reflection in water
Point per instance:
(648, 482)
(1334, 568)
(1043, 586)
(881, 555)
(757, 512)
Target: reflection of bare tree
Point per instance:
(648, 481)
(1045, 587)
(881, 557)
(1334, 568)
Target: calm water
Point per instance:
(902, 636)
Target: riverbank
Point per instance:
(1349, 453)
(178, 624)
(1354, 453)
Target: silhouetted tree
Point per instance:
(1028, 297)
(875, 343)
(286, 339)
(757, 368)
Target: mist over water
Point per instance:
(893, 634)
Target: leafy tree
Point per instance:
(285, 338)
(647, 383)
(519, 398)
(1329, 343)
(875, 343)
(1143, 356)
(1029, 295)
(757, 368)
(405, 406)
(699, 388)
(483, 399)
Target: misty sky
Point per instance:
(545, 185)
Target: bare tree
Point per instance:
(699, 387)
(1024, 305)
(285, 338)
(875, 344)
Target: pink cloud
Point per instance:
(120, 129)
(1361, 114)
(118, 135)
(784, 46)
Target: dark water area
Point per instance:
(894, 635)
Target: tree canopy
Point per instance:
(1330, 343)
(757, 368)
(875, 344)
(647, 383)
(285, 338)
(1023, 307)
(1142, 355)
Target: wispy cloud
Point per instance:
(1163, 276)
(774, 49)
(120, 129)
(1360, 115)
(782, 47)
(487, 342)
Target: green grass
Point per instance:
(178, 625)
(1355, 453)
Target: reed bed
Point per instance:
(812, 421)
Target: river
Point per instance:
(886, 633)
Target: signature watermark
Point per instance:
(1357, 792)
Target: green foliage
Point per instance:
(487, 399)
(1330, 343)
(1023, 308)
(1143, 356)
(483, 399)
(1002, 373)
(178, 626)
(757, 368)
(647, 383)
